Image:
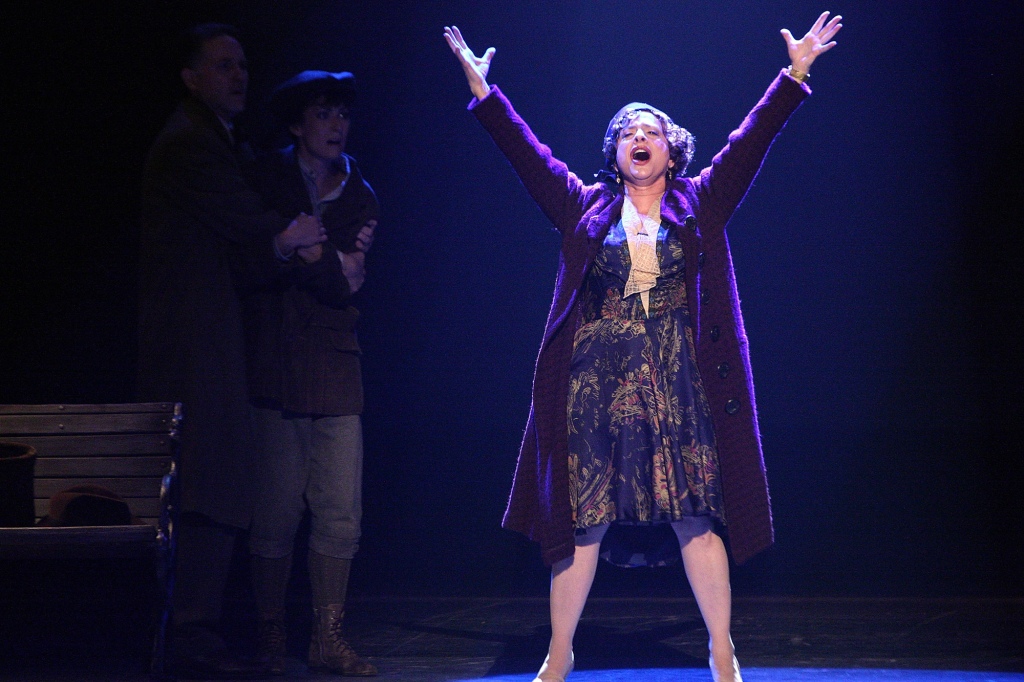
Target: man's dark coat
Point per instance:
(200, 220)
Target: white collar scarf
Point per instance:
(642, 240)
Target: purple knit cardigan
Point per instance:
(697, 209)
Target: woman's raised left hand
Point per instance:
(817, 41)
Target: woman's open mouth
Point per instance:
(641, 155)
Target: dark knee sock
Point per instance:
(270, 585)
(328, 578)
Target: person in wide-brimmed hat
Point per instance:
(304, 372)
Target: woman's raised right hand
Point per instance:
(476, 68)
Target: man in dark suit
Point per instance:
(202, 226)
(305, 376)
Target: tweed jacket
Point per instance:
(697, 209)
(302, 349)
(199, 218)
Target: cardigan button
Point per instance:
(705, 296)
(700, 260)
(723, 369)
(690, 222)
(715, 333)
(732, 406)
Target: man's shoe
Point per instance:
(271, 648)
(200, 653)
(219, 665)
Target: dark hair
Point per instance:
(192, 41)
(681, 142)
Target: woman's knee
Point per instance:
(592, 536)
(693, 528)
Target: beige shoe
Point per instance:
(736, 676)
(545, 675)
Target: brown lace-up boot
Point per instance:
(328, 578)
(328, 650)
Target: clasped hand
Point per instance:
(353, 265)
(305, 231)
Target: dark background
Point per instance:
(878, 255)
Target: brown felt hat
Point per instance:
(88, 505)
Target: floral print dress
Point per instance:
(641, 440)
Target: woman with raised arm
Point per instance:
(643, 414)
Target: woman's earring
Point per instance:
(618, 178)
(669, 174)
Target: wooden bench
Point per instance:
(130, 449)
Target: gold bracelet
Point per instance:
(798, 75)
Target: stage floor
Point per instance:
(648, 640)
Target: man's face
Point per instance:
(323, 131)
(220, 77)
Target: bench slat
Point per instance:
(102, 466)
(130, 444)
(98, 542)
(26, 424)
(93, 408)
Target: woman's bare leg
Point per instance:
(707, 569)
(570, 584)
